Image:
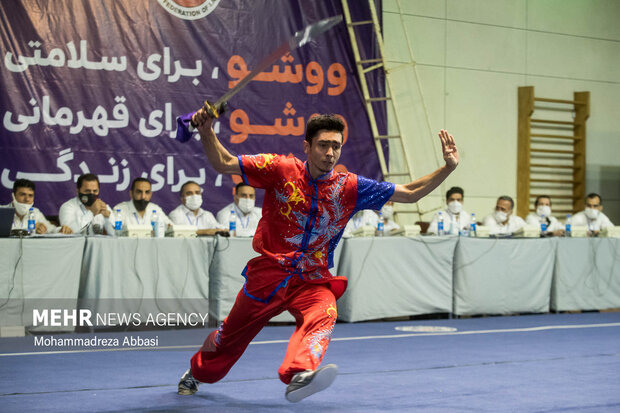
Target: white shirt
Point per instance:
(598, 224)
(38, 217)
(182, 215)
(246, 224)
(81, 220)
(366, 217)
(389, 225)
(130, 215)
(554, 224)
(452, 224)
(514, 224)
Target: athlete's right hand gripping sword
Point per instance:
(185, 126)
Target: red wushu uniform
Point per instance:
(303, 220)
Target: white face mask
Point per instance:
(21, 209)
(500, 216)
(543, 210)
(246, 205)
(193, 202)
(592, 213)
(455, 207)
(387, 211)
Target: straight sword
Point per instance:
(185, 126)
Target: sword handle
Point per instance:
(213, 110)
(185, 125)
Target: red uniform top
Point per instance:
(303, 220)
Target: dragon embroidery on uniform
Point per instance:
(267, 160)
(295, 197)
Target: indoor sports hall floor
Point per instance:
(536, 363)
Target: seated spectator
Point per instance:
(592, 216)
(366, 217)
(190, 212)
(139, 210)
(388, 214)
(455, 218)
(246, 213)
(87, 213)
(543, 213)
(502, 221)
(23, 200)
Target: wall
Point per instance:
(470, 58)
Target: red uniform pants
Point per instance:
(314, 309)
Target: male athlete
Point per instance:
(305, 209)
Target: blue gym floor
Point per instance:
(537, 363)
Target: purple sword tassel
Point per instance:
(185, 127)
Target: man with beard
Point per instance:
(87, 213)
(139, 210)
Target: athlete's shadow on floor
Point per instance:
(211, 402)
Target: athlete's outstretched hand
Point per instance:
(448, 147)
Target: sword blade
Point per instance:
(302, 37)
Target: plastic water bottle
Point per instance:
(155, 224)
(381, 225)
(472, 226)
(118, 223)
(31, 221)
(567, 226)
(440, 230)
(543, 225)
(232, 223)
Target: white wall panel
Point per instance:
(573, 57)
(485, 47)
(589, 18)
(429, 8)
(427, 37)
(508, 13)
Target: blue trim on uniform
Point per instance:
(282, 284)
(245, 178)
(314, 208)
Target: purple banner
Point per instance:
(95, 86)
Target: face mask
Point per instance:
(21, 209)
(455, 207)
(592, 213)
(387, 211)
(193, 202)
(140, 204)
(500, 216)
(87, 199)
(543, 210)
(246, 205)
